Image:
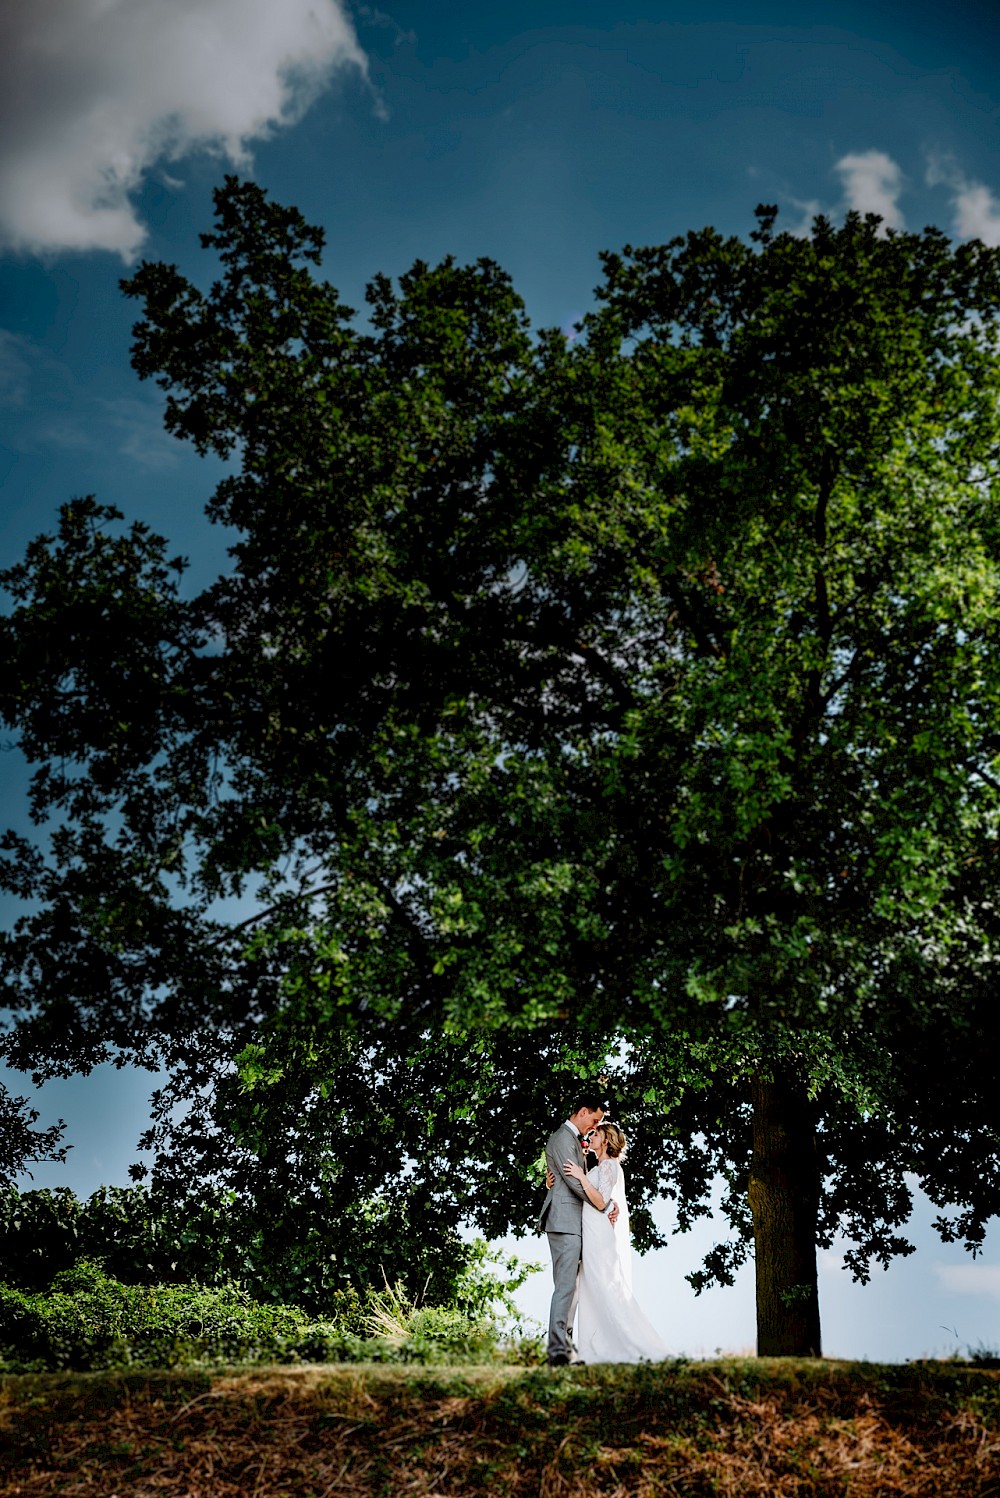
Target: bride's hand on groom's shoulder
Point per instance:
(574, 1170)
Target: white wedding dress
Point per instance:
(610, 1325)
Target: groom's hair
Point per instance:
(589, 1100)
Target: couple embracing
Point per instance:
(585, 1218)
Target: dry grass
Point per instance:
(738, 1429)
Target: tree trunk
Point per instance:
(784, 1200)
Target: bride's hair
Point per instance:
(614, 1139)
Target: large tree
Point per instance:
(642, 686)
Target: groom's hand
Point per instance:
(613, 1214)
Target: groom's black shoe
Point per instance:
(558, 1360)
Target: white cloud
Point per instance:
(872, 183)
(94, 92)
(976, 207)
(977, 214)
(970, 1279)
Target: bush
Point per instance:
(88, 1321)
(306, 1251)
(485, 1287)
(428, 1334)
(138, 1237)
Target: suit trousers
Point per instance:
(565, 1249)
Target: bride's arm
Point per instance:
(550, 1181)
(592, 1194)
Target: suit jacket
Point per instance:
(562, 1210)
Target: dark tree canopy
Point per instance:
(627, 704)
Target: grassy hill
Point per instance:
(739, 1428)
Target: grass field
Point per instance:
(738, 1427)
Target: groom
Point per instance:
(561, 1220)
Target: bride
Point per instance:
(611, 1326)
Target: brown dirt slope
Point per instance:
(737, 1428)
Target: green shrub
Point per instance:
(89, 1321)
(429, 1334)
(306, 1250)
(346, 1310)
(485, 1286)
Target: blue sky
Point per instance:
(535, 133)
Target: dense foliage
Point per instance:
(643, 687)
(88, 1320)
(213, 1240)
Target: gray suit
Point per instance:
(561, 1220)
